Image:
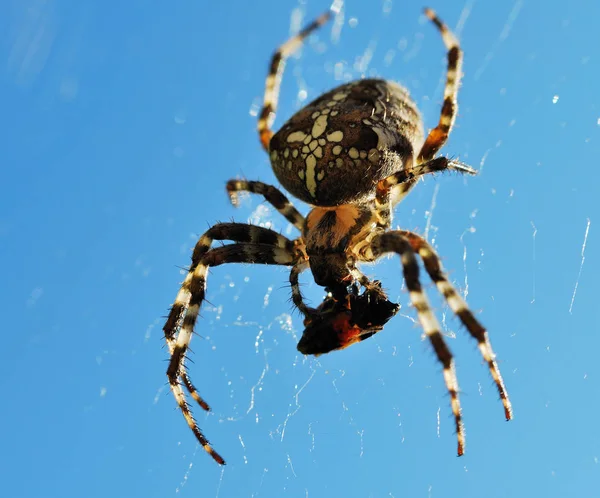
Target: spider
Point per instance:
(352, 155)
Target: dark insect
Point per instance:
(352, 154)
(339, 324)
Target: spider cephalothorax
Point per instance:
(352, 154)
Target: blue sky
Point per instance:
(121, 125)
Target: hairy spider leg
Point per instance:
(173, 324)
(438, 136)
(237, 232)
(258, 245)
(396, 242)
(271, 194)
(433, 266)
(297, 297)
(385, 197)
(273, 83)
(433, 166)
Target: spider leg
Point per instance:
(271, 97)
(271, 194)
(434, 268)
(373, 287)
(169, 331)
(433, 166)
(391, 190)
(260, 245)
(237, 232)
(360, 277)
(397, 243)
(438, 136)
(191, 388)
(297, 298)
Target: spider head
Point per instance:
(338, 323)
(331, 271)
(329, 234)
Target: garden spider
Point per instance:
(352, 155)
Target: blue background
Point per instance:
(121, 122)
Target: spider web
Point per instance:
(120, 131)
(273, 392)
(384, 398)
(282, 416)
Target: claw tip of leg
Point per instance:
(335, 8)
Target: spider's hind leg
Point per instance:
(271, 194)
(267, 113)
(391, 190)
(438, 136)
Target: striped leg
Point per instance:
(237, 232)
(396, 242)
(433, 166)
(297, 298)
(261, 246)
(271, 194)
(267, 114)
(434, 268)
(438, 136)
(173, 324)
(391, 190)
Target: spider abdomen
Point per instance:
(336, 149)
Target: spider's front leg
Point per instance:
(255, 245)
(297, 297)
(237, 232)
(460, 308)
(397, 243)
